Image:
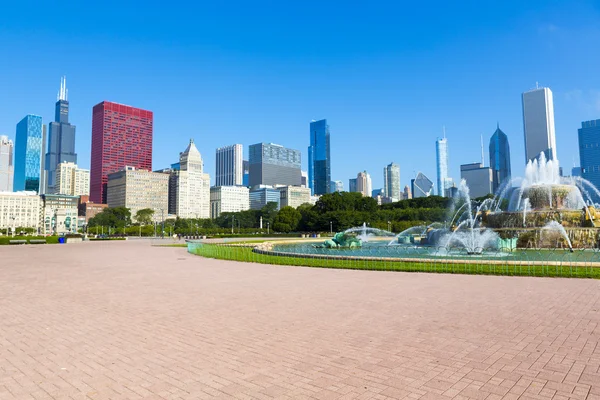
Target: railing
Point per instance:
(530, 262)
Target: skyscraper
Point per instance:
(61, 137)
(319, 158)
(363, 184)
(6, 164)
(421, 186)
(538, 124)
(190, 186)
(71, 180)
(273, 164)
(28, 154)
(229, 166)
(478, 178)
(121, 136)
(441, 157)
(589, 151)
(499, 158)
(352, 185)
(336, 186)
(391, 182)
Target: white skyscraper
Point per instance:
(363, 184)
(6, 164)
(441, 153)
(391, 182)
(190, 186)
(229, 165)
(538, 124)
(71, 180)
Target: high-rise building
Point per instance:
(228, 199)
(406, 194)
(6, 164)
(19, 209)
(352, 185)
(121, 136)
(478, 178)
(363, 184)
(421, 186)
(319, 157)
(28, 154)
(589, 151)
(336, 186)
(441, 157)
(229, 165)
(61, 137)
(293, 196)
(304, 178)
(538, 124)
(391, 182)
(71, 180)
(273, 164)
(246, 175)
(576, 171)
(190, 186)
(138, 189)
(261, 195)
(499, 158)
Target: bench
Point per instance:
(37, 241)
(17, 242)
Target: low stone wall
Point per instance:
(581, 238)
(535, 219)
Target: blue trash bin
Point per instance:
(61, 240)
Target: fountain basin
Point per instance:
(536, 219)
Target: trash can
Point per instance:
(61, 240)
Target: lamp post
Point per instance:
(268, 232)
(13, 224)
(331, 227)
(389, 226)
(232, 223)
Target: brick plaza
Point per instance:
(125, 320)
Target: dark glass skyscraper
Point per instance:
(61, 138)
(319, 158)
(273, 164)
(589, 151)
(499, 158)
(28, 154)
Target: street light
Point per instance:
(268, 228)
(232, 223)
(331, 227)
(389, 226)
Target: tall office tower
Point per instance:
(441, 157)
(246, 174)
(421, 186)
(121, 136)
(391, 182)
(478, 178)
(190, 186)
(6, 164)
(499, 158)
(228, 199)
(352, 185)
(538, 124)
(61, 137)
(589, 152)
(407, 194)
(363, 184)
(273, 164)
(230, 165)
(336, 186)
(319, 158)
(28, 154)
(71, 180)
(304, 179)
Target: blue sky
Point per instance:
(386, 75)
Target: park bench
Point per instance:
(37, 241)
(17, 241)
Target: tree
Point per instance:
(144, 216)
(287, 220)
(269, 212)
(116, 217)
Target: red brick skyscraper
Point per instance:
(121, 135)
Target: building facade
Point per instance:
(293, 196)
(272, 164)
(71, 180)
(59, 214)
(229, 165)
(88, 209)
(352, 185)
(19, 210)
(391, 182)
(364, 184)
(61, 138)
(478, 179)
(538, 124)
(189, 190)
(442, 162)
(336, 186)
(421, 185)
(139, 189)
(121, 136)
(228, 199)
(589, 151)
(499, 158)
(6, 164)
(406, 193)
(28, 154)
(261, 195)
(319, 158)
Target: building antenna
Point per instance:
(482, 156)
(444, 130)
(537, 86)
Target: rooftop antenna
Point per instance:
(482, 156)
(444, 130)
(537, 86)
(62, 93)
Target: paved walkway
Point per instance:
(124, 320)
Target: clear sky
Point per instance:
(386, 75)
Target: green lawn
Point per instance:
(246, 254)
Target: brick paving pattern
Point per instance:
(130, 321)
